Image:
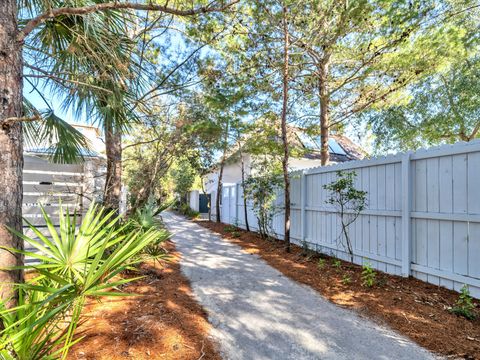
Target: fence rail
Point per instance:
(422, 218)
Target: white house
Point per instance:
(341, 149)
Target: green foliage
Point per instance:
(145, 219)
(349, 202)
(260, 190)
(184, 176)
(230, 228)
(337, 263)
(346, 279)
(368, 275)
(75, 262)
(186, 210)
(305, 248)
(152, 149)
(306, 251)
(442, 109)
(147, 216)
(344, 193)
(321, 263)
(233, 230)
(464, 305)
(64, 143)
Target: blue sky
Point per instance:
(55, 103)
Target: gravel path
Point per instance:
(257, 313)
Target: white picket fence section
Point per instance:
(422, 218)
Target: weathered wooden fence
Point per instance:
(422, 218)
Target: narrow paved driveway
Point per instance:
(257, 313)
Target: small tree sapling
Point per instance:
(349, 201)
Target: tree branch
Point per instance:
(115, 5)
(12, 120)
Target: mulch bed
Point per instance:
(413, 308)
(165, 322)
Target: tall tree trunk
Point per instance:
(11, 148)
(219, 188)
(245, 209)
(220, 175)
(286, 178)
(324, 110)
(113, 185)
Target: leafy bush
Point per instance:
(306, 251)
(337, 263)
(75, 262)
(147, 216)
(321, 263)
(368, 275)
(145, 219)
(349, 202)
(230, 228)
(464, 305)
(346, 279)
(188, 211)
(261, 191)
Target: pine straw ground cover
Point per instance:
(165, 322)
(416, 309)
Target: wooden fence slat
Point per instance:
(49, 167)
(40, 221)
(53, 199)
(55, 189)
(51, 178)
(50, 210)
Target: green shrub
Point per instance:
(147, 216)
(337, 263)
(76, 262)
(306, 251)
(346, 280)
(230, 228)
(344, 196)
(368, 275)
(186, 210)
(464, 305)
(235, 234)
(144, 219)
(305, 248)
(321, 263)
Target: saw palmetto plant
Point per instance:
(72, 263)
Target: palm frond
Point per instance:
(54, 136)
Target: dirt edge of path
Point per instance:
(418, 310)
(165, 322)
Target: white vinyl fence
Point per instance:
(422, 218)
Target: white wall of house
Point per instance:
(232, 173)
(194, 200)
(300, 164)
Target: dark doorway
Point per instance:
(204, 200)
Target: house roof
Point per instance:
(341, 148)
(93, 135)
(49, 151)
